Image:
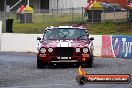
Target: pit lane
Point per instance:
(18, 70)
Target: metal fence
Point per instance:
(73, 15)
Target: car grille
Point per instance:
(64, 51)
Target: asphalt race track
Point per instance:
(18, 70)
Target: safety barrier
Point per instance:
(19, 42)
(117, 46)
(104, 45)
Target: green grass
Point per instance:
(110, 28)
(98, 29)
(41, 21)
(57, 18)
(31, 28)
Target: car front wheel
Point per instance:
(40, 64)
(89, 63)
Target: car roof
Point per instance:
(66, 27)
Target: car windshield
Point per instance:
(65, 33)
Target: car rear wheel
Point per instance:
(89, 64)
(40, 64)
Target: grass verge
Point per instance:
(107, 28)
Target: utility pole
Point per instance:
(57, 7)
(27, 2)
(7, 10)
(4, 15)
(0, 33)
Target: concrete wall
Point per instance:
(97, 44)
(115, 46)
(28, 42)
(19, 42)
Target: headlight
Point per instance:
(42, 50)
(85, 50)
(77, 50)
(50, 50)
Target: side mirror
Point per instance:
(92, 38)
(38, 38)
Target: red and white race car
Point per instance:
(65, 44)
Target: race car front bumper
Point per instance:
(80, 58)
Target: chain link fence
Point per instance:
(73, 15)
(60, 15)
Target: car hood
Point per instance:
(65, 43)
